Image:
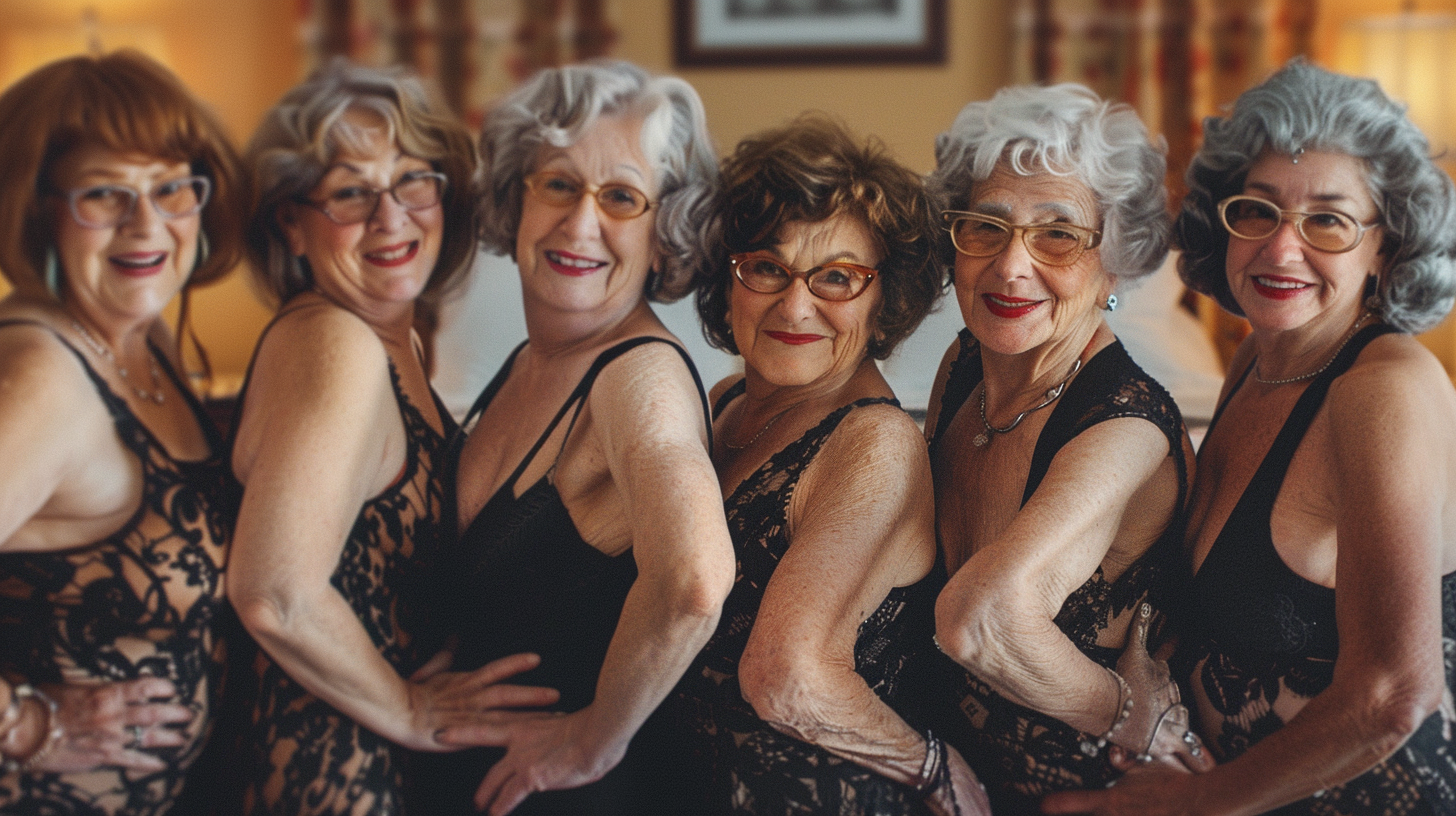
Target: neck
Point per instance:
(1013, 379)
(556, 334)
(1283, 354)
(762, 397)
(122, 336)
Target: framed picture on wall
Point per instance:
(807, 32)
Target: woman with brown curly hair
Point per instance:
(792, 705)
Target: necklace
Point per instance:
(761, 431)
(1051, 397)
(154, 395)
(1350, 335)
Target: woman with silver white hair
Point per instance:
(363, 210)
(592, 530)
(1061, 468)
(1323, 524)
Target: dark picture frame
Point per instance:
(746, 33)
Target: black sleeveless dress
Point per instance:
(1263, 640)
(142, 602)
(730, 760)
(1020, 754)
(522, 579)
(302, 756)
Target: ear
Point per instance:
(287, 218)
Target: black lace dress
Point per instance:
(734, 762)
(1263, 640)
(1019, 754)
(142, 602)
(301, 755)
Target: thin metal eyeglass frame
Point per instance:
(531, 181)
(1295, 217)
(442, 179)
(72, 196)
(736, 261)
(1090, 238)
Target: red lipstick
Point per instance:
(1007, 306)
(794, 339)
(1284, 292)
(386, 256)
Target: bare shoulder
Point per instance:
(721, 387)
(318, 354)
(876, 441)
(1395, 382)
(39, 373)
(644, 387)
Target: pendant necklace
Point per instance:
(154, 395)
(1318, 371)
(1052, 394)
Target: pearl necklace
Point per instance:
(1051, 396)
(1318, 371)
(155, 395)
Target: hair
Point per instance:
(303, 133)
(123, 102)
(1302, 107)
(1063, 130)
(811, 170)
(557, 106)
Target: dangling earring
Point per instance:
(1372, 293)
(51, 274)
(1111, 303)
(202, 251)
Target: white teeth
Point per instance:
(1008, 303)
(577, 263)
(1274, 284)
(140, 263)
(393, 254)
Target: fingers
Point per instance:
(144, 690)
(498, 670)
(440, 662)
(504, 695)
(474, 734)
(499, 791)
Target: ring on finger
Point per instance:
(135, 733)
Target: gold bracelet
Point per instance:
(54, 732)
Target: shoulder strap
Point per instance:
(1218, 411)
(492, 388)
(209, 430)
(964, 374)
(731, 393)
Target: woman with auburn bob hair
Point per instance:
(797, 704)
(117, 192)
(1320, 653)
(364, 207)
(1061, 468)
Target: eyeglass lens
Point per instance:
(1255, 218)
(107, 205)
(984, 238)
(620, 201)
(355, 204)
(829, 282)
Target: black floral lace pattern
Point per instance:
(755, 769)
(1021, 754)
(141, 602)
(304, 756)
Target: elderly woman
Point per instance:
(1061, 469)
(1323, 526)
(794, 705)
(115, 507)
(591, 532)
(363, 208)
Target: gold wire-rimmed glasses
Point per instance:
(983, 236)
(1253, 218)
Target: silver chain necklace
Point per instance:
(1051, 396)
(155, 395)
(761, 431)
(1318, 371)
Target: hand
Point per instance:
(964, 796)
(1143, 791)
(106, 725)
(441, 700)
(1157, 730)
(544, 752)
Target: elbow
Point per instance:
(1397, 713)
(780, 691)
(267, 613)
(963, 631)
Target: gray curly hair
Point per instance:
(1065, 130)
(557, 106)
(1305, 107)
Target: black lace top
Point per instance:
(752, 767)
(139, 603)
(303, 756)
(1020, 754)
(1263, 639)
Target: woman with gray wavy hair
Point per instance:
(1060, 487)
(592, 530)
(1323, 523)
(363, 209)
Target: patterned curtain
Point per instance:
(1175, 61)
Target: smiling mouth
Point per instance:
(1004, 306)
(794, 339)
(139, 264)
(1278, 283)
(393, 255)
(1279, 288)
(572, 264)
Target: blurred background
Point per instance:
(1176, 61)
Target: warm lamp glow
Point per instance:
(1410, 55)
(25, 49)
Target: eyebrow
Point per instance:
(356, 170)
(1002, 211)
(1320, 197)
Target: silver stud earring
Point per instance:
(1111, 303)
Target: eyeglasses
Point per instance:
(1054, 244)
(1253, 218)
(357, 203)
(557, 189)
(107, 205)
(833, 281)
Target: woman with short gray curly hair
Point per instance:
(1320, 636)
(1061, 469)
(592, 532)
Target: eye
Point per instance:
(105, 194)
(1327, 220)
(621, 197)
(560, 184)
(1058, 234)
(836, 276)
(345, 195)
(763, 268)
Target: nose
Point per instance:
(143, 218)
(582, 220)
(1285, 245)
(1015, 260)
(797, 302)
(389, 214)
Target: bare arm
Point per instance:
(1391, 484)
(647, 421)
(326, 419)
